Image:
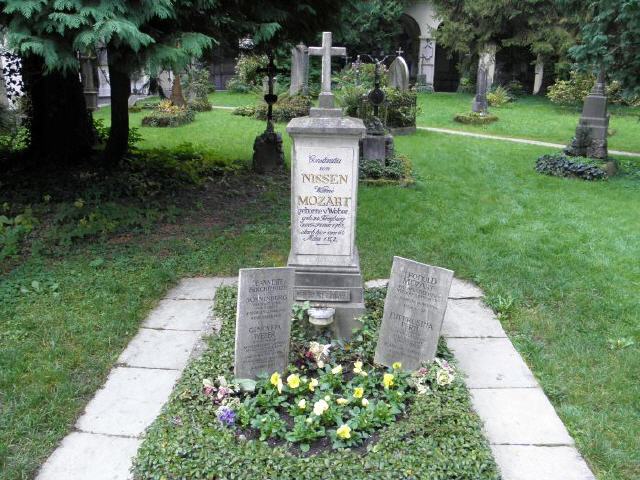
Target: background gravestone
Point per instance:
(263, 322)
(413, 313)
(398, 74)
(299, 70)
(480, 103)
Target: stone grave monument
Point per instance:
(377, 145)
(413, 313)
(263, 322)
(398, 74)
(593, 126)
(299, 70)
(268, 155)
(480, 104)
(324, 191)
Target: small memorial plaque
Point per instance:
(413, 313)
(263, 322)
(319, 295)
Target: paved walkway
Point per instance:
(528, 439)
(514, 140)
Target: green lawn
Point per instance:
(557, 257)
(530, 117)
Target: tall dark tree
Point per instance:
(610, 35)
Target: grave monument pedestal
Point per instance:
(324, 190)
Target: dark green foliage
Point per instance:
(395, 171)
(439, 438)
(472, 118)
(559, 165)
(402, 108)
(499, 96)
(574, 90)
(197, 90)
(610, 34)
(286, 108)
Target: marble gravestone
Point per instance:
(398, 74)
(263, 322)
(324, 190)
(413, 313)
(299, 70)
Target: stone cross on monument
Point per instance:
(324, 200)
(326, 51)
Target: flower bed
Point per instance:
(332, 414)
(472, 118)
(168, 115)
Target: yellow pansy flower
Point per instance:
(357, 367)
(275, 378)
(387, 380)
(342, 401)
(396, 365)
(337, 370)
(293, 380)
(313, 384)
(358, 392)
(344, 432)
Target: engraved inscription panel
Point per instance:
(263, 322)
(314, 294)
(413, 313)
(323, 201)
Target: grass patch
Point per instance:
(564, 280)
(440, 437)
(529, 117)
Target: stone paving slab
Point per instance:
(519, 416)
(129, 401)
(463, 289)
(200, 288)
(180, 315)
(491, 363)
(470, 318)
(528, 462)
(169, 349)
(91, 457)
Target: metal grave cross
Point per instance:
(326, 51)
(270, 97)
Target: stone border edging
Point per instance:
(526, 436)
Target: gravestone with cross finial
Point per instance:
(324, 190)
(267, 148)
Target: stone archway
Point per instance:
(424, 16)
(409, 41)
(446, 77)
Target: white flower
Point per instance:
(320, 364)
(222, 381)
(422, 389)
(364, 402)
(320, 407)
(337, 370)
(302, 404)
(443, 377)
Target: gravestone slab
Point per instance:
(480, 104)
(398, 74)
(413, 313)
(263, 322)
(299, 70)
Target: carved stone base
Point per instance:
(267, 152)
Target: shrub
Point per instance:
(559, 165)
(397, 170)
(402, 108)
(169, 115)
(499, 96)
(516, 88)
(286, 108)
(472, 118)
(246, 73)
(579, 85)
(466, 85)
(245, 111)
(198, 89)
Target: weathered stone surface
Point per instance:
(470, 318)
(128, 402)
(323, 215)
(373, 148)
(83, 456)
(398, 74)
(159, 349)
(413, 313)
(480, 103)
(180, 315)
(299, 70)
(521, 416)
(265, 298)
(491, 363)
(529, 462)
(197, 288)
(463, 289)
(268, 155)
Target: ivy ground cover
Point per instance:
(332, 414)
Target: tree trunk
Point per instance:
(61, 130)
(118, 142)
(539, 70)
